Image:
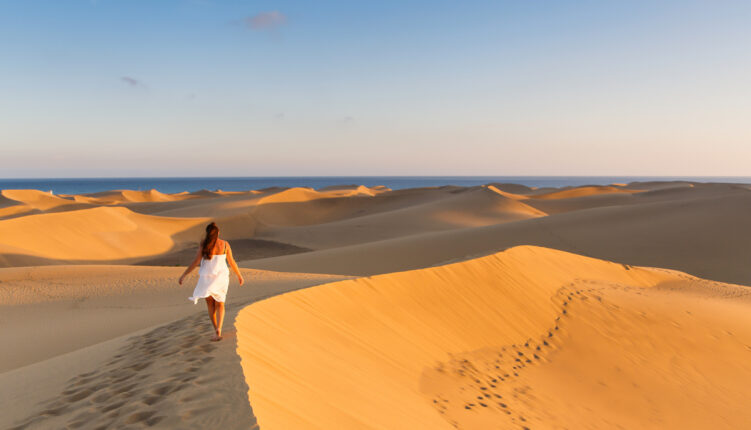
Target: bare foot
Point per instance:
(216, 338)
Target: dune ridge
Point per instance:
(126, 349)
(37, 225)
(469, 337)
(693, 227)
(102, 233)
(463, 208)
(585, 191)
(419, 349)
(355, 230)
(707, 235)
(36, 199)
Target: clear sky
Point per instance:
(255, 88)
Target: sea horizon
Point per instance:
(177, 184)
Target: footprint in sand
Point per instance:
(145, 372)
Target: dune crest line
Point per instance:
(419, 349)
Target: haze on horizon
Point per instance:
(225, 88)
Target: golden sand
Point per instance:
(93, 340)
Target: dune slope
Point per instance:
(476, 344)
(473, 207)
(121, 347)
(99, 234)
(37, 199)
(708, 236)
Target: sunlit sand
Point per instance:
(496, 306)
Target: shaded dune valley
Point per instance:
(622, 306)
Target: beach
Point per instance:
(491, 306)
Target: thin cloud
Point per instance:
(133, 82)
(345, 122)
(266, 20)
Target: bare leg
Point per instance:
(219, 316)
(211, 305)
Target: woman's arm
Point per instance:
(233, 265)
(196, 261)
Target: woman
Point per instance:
(213, 276)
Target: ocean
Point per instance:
(176, 185)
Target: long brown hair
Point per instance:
(208, 242)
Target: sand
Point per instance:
(100, 334)
(705, 232)
(112, 345)
(526, 338)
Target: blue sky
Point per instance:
(212, 87)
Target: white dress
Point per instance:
(213, 279)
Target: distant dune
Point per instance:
(527, 338)
(474, 307)
(584, 192)
(40, 201)
(354, 230)
(99, 234)
(704, 231)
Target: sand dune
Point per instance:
(124, 196)
(708, 236)
(698, 228)
(146, 196)
(130, 297)
(11, 208)
(120, 346)
(584, 191)
(277, 206)
(305, 206)
(512, 188)
(354, 189)
(7, 202)
(39, 201)
(36, 199)
(99, 234)
(657, 185)
(467, 208)
(629, 195)
(205, 193)
(556, 206)
(529, 337)
(27, 202)
(114, 229)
